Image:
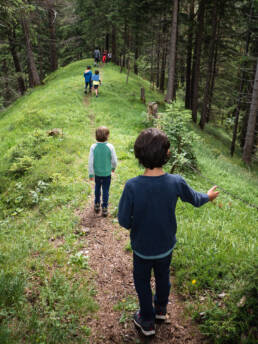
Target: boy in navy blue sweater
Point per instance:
(147, 208)
(88, 79)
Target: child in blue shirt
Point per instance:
(96, 81)
(88, 77)
(147, 208)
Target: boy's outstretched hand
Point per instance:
(212, 193)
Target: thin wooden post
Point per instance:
(143, 95)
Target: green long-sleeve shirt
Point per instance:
(102, 159)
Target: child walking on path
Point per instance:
(96, 56)
(88, 79)
(102, 161)
(96, 81)
(147, 208)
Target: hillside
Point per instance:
(47, 289)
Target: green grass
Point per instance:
(44, 179)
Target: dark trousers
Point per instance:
(104, 184)
(88, 83)
(142, 275)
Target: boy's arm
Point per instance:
(113, 157)
(197, 199)
(91, 162)
(125, 208)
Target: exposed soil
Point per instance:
(112, 272)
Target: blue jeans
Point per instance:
(88, 83)
(142, 276)
(104, 183)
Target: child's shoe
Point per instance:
(147, 327)
(97, 208)
(160, 313)
(85, 91)
(104, 212)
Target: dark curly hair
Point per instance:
(151, 148)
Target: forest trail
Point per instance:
(111, 269)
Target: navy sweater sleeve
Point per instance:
(187, 194)
(125, 209)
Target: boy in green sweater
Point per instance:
(102, 161)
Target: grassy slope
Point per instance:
(216, 244)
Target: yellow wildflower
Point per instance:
(193, 281)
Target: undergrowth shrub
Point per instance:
(235, 319)
(21, 165)
(33, 145)
(11, 289)
(57, 311)
(22, 156)
(175, 123)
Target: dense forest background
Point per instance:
(205, 51)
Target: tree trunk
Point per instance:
(250, 134)
(214, 67)
(128, 69)
(107, 42)
(189, 58)
(17, 65)
(205, 104)
(163, 59)
(163, 69)
(158, 46)
(197, 58)
(172, 56)
(125, 43)
(52, 33)
(114, 52)
(152, 61)
(7, 91)
(136, 53)
(34, 79)
(242, 82)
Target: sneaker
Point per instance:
(85, 91)
(147, 327)
(104, 212)
(160, 313)
(97, 208)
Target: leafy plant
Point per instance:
(175, 123)
(79, 259)
(127, 306)
(21, 165)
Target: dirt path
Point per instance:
(112, 273)
(111, 267)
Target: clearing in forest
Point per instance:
(48, 286)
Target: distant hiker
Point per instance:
(104, 56)
(109, 57)
(96, 56)
(88, 79)
(102, 161)
(96, 81)
(147, 208)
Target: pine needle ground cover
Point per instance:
(45, 293)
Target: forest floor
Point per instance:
(111, 265)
